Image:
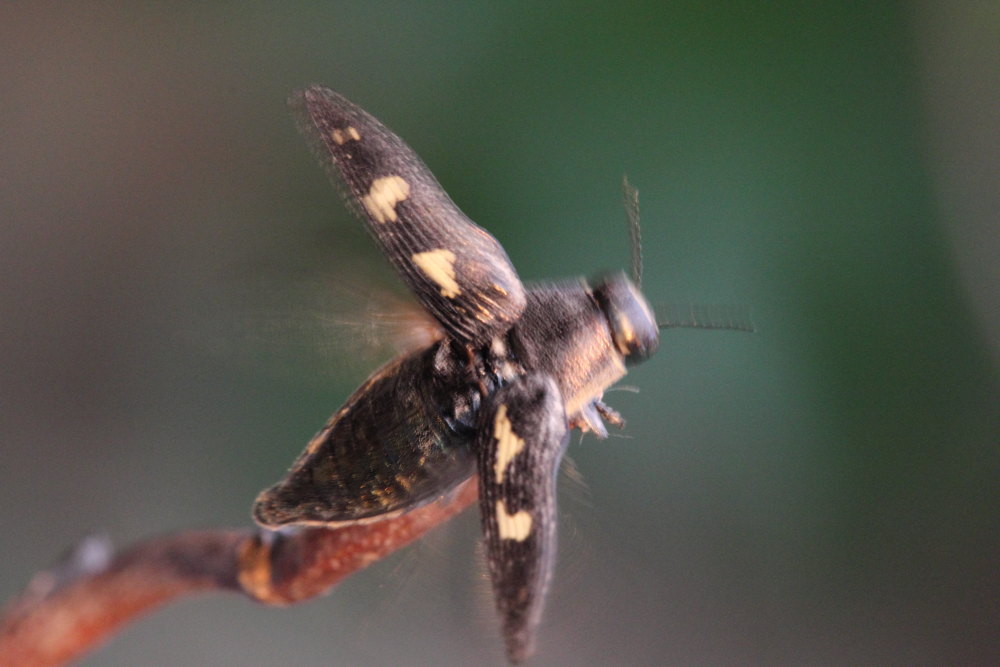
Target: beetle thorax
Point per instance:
(564, 332)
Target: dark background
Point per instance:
(822, 492)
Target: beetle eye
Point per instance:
(632, 322)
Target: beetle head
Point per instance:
(633, 324)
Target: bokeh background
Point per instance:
(822, 492)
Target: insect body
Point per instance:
(498, 394)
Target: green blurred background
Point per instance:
(823, 492)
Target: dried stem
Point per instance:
(56, 621)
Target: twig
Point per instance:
(56, 621)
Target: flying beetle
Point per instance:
(517, 368)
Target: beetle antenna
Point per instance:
(631, 197)
(723, 318)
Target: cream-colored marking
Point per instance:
(483, 315)
(515, 526)
(498, 347)
(340, 137)
(439, 266)
(627, 334)
(383, 196)
(404, 482)
(485, 308)
(508, 444)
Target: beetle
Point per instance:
(516, 369)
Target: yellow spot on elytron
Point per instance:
(383, 196)
(515, 526)
(508, 444)
(439, 266)
(483, 315)
(341, 136)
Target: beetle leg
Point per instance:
(610, 415)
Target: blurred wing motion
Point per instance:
(460, 273)
(318, 324)
(522, 440)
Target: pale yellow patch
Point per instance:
(383, 196)
(508, 444)
(340, 137)
(515, 526)
(498, 347)
(439, 266)
(483, 314)
(627, 332)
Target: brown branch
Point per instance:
(55, 621)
